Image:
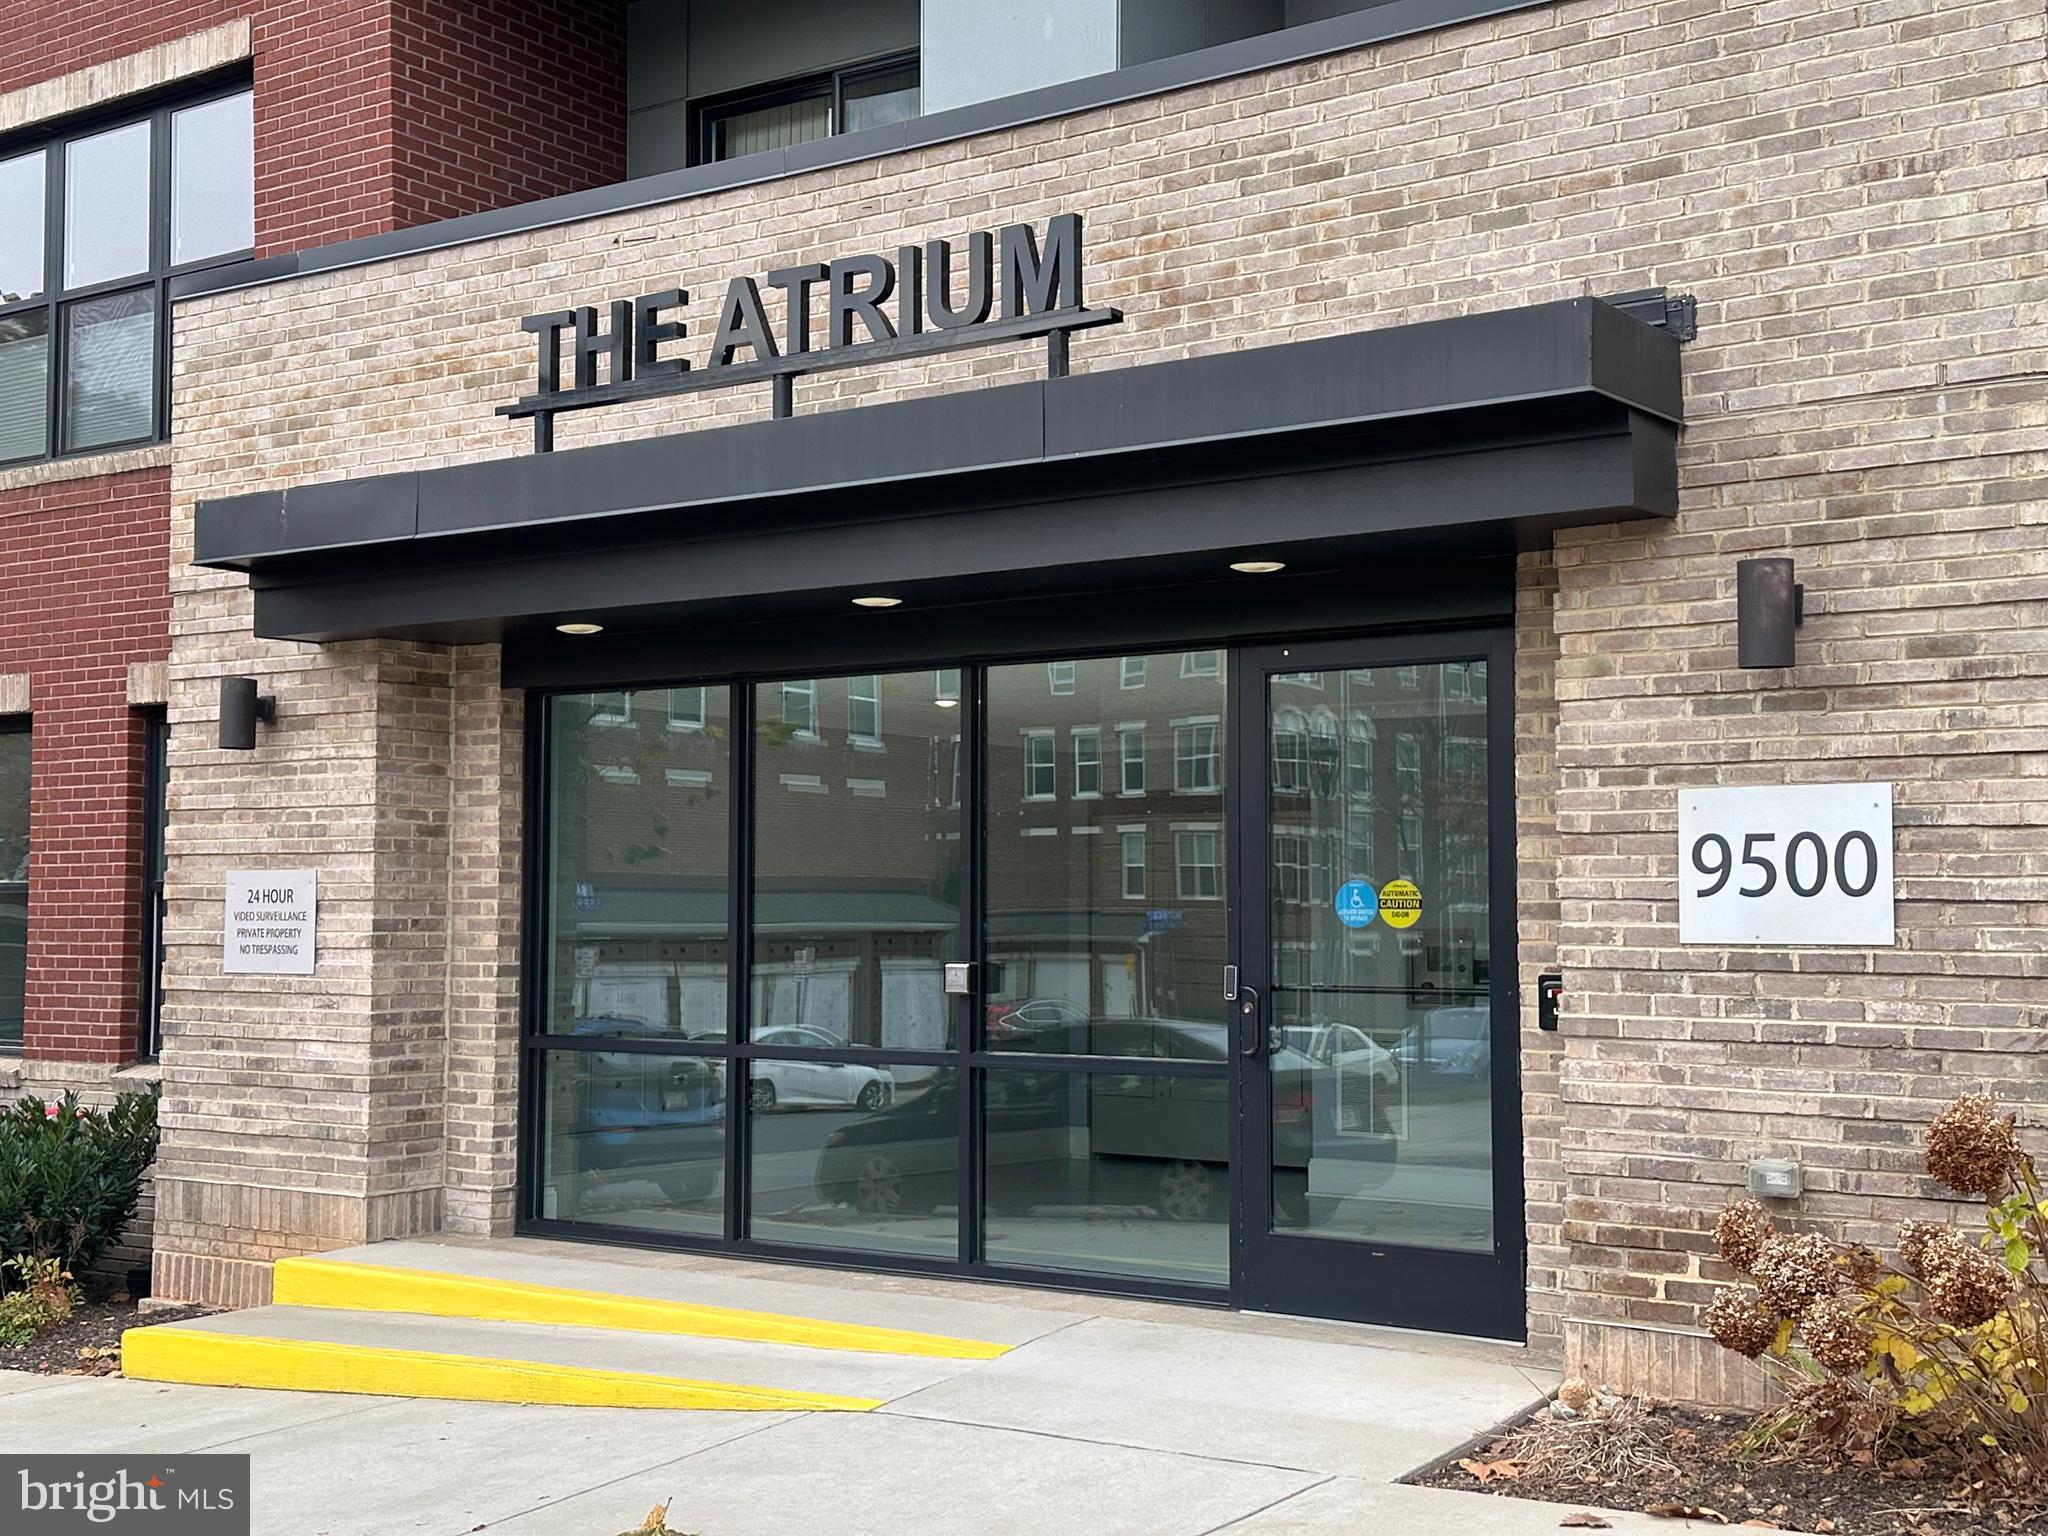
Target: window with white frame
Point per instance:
(1358, 841)
(1408, 765)
(1411, 833)
(1197, 864)
(1359, 770)
(1195, 765)
(1087, 763)
(1290, 753)
(1410, 677)
(1131, 754)
(686, 709)
(1131, 672)
(611, 710)
(864, 710)
(1059, 678)
(1133, 840)
(93, 224)
(1201, 664)
(1040, 775)
(1323, 879)
(800, 706)
(1290, 867)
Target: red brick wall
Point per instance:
(499, 103)
(371, 115)
(83, 593)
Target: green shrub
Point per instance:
(43, 1297)
(70, 1176)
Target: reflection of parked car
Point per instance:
(1449, 1042)
(1345, 1045)
(835, 1083)
(662, 1116)
(1015, 1026)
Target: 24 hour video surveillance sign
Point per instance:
(269, 925)
(1807, 864)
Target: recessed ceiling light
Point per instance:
(877, 602)
(1258, 567)
(580, 629)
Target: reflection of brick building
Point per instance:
(1106, 846)
(1380, 775)
(1107, 851)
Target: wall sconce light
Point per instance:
(240, 708)
(1769, 606)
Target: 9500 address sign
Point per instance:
(1794, 865)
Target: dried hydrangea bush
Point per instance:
(1946, 1351)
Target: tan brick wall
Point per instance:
(1854, 192)
(1536, 923)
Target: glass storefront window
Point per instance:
(1097, 1060)
(1087, 937)
(1109, 1173)
(630, 1139)
(638, 825)
(857, 862)
(872, 1162)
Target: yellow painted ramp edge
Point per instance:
(343, 1286)
(196, 1358)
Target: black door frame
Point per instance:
(1332, 1277)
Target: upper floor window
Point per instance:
(800, 706)
(796, 111)
(92, 223)
(864, 709)
(686, 709)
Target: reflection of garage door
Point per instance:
(913, 1006)
(1064, 977)
(627, 996)
(1119, 987)
(703, 1006)
(822, 999)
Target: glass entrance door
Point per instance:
(1376, 1020)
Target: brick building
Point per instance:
(1401, 412)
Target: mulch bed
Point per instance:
(88, 1343)
(1838, 1496)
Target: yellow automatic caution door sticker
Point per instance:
(1400, 903)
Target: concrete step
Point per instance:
(396, 1354)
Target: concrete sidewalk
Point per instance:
(1107, 1417)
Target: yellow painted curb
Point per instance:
(342, 1286)
(196, 1358)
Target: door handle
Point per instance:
(1250, 1022)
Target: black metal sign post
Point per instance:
(1014, 289)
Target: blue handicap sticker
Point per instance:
(1357, 903)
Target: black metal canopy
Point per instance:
(1462, 438)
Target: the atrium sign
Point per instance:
(877, 308)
